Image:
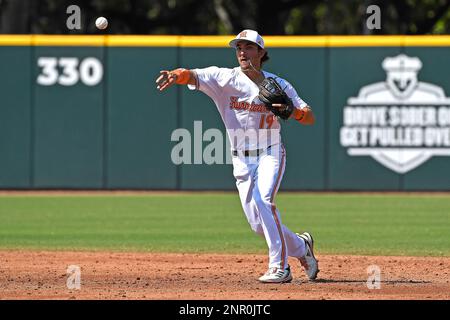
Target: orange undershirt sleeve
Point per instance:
(183, 75)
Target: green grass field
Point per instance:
(374, 224)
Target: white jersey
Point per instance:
(248, 123)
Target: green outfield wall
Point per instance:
(83, 112)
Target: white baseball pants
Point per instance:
(258, 179)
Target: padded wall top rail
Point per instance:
(221, 41)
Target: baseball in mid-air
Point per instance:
(101, 23)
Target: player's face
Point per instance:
(247, 51)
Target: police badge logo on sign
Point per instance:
(402, 122)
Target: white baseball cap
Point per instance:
(249, 35)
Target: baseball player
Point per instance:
(258, 154)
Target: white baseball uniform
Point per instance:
(259, 156)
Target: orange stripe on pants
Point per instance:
(274, 211)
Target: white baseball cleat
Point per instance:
(309, 261)
(277, 275)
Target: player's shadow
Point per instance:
(365, 281)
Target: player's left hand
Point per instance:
(165, 80)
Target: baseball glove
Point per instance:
(270, 92)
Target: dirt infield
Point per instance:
(113, 275)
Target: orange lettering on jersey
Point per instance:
(253, 107)
(270, 119)
(266, 119)
(262, 121)
(233, 102)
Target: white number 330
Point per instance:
(90, 71)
